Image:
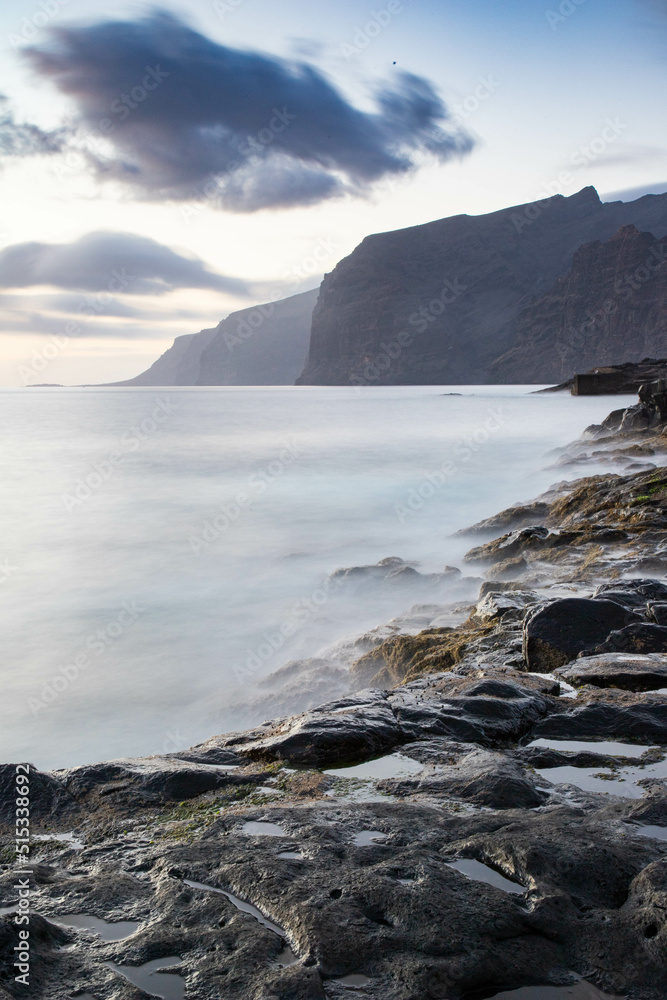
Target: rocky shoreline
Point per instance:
(481, 810)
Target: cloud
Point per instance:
(163, 109)
(17, 139)
(120, 263)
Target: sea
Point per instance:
(164, 550)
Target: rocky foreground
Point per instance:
(492, 835)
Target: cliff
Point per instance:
(440, 303)
(177, 366)
(261, 345)
(611, 307)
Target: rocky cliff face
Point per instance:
(262, 345)
(610, 307)
(177, 366)
(440, 303)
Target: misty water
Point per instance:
(163, 550)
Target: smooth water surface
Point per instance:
(163, 550)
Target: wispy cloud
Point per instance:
(22, 139)
(108, 261)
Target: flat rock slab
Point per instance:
(631, 671)
(643, 721)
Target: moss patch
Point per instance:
(406, 657)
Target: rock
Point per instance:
(544, 757)
(48, 795)
(555, 634)
(485, 778)
(505, 605)
(508, 546)
(149, 780)
(657, 612)
(396, 573)
(486, 711)
(633, 593)
(352, 729)
(636, 418)
(622, 670)
(640, 720)
(514, 518)
(639, 638)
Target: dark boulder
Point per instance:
(632, 594)
(638, 638)
(657, 612)
(339, 732)
(555, 634)
(47, 794)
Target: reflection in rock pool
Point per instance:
(479, 872)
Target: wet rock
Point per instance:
(639, 638)
(48, 795)
(488, 712)
(633, 594)
(555, 634)
(394, 572)
(543, 757)
(504, 605)
(45, 940)
(516, 518)
(657, 612)
(146, 781)
(633, 672)
(634, 720)
(351, 729)
(508, 546)
(485, 778)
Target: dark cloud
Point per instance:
(17, 139)
(119, 263)
(164, 109)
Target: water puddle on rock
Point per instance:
(355, 981)
(622, 781)
(366, 838)
(601, 747)
(656, 832)
(577, 991)
(566, 690)
(149, 977)
(292, 855)
(107, 931)
(255, 829)
(394, 765)
(287, 956)
(478, 872)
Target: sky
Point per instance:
(164, 165)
